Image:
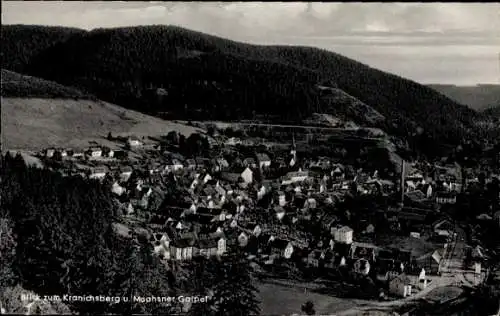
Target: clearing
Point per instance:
(35, 124)
(284, 300)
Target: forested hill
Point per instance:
(204, 76)
(478, 97)
(20, 43)
(493, 111)
(21, 86)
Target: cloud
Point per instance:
(380, 34)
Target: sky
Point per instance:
(448, 43)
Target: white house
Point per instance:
(133, 142)
(95, 152)
(247, 175)
(221, 246)
(233, 141)
(261, 192)
(49, 152)
(281, 198)
(125, 173)
(297, 176)
(264, 160)
(342, 234)
(97, 173)
(117, 189)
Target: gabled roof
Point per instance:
(263, 157)
(183, 243)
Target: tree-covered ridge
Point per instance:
(20, 43)
(20, 86)
(493, 111)
(208, 77)
(58, 238)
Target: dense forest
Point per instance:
(493, 111)
(20, 43)
(60, 240)
(21, 86)
(190, 74)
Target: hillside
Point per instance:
(193, 75)
(477, 97)
(34, 124)
(493, 111)
(21, 86)
(20, 43)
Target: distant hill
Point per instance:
(493, 111)
(22, 86)
(477, 97)
(20, 43)
(194, 75)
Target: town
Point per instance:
(325, 221)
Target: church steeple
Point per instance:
(293, 151)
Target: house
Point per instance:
(98, 173)
(254, 229)
(264, 160)
(246, 175)
(222, 163)
(233, 141)
(249, 162)
(430, 261)
(211, 247)
(94, 152)
(161, 244)
(49, 152)
(108, 152)
(243, 239)
(182, 249)
(125, 173)
(133, 141)
(443, 228)
(400, 286)
(296, 176)
(314, 258)
(62, 153)
(310, 203)
(281, 198)
(190, 164)
(173, 165)
(202, 163)
(343, 234)
(281, 248)
(117, 189)
(364, 251)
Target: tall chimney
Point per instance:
(402, 182)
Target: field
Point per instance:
(34, 124)
(283, 300)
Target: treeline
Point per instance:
(58, 238)
(20, 86)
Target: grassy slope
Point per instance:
(30, 123)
